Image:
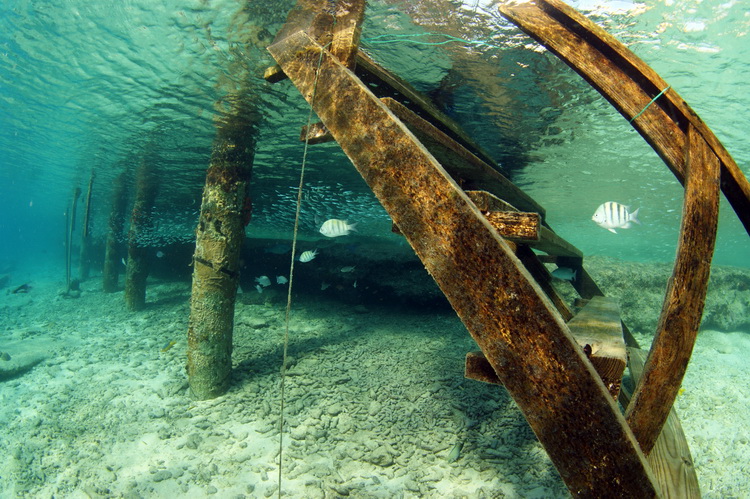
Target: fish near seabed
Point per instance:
(263, 281)
(564, 274)
(308, 255)
(611, 216)
(335, 228)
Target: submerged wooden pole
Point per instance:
(112, 263)
(225, 211)
(140, 221)
(84, 261)
(69, 237)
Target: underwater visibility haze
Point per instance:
(91, 90)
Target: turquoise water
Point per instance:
(101, 408)
(89, 86)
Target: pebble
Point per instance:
(162, 475)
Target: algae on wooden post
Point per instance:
(112, 263)
(140, 220)
(224, 213)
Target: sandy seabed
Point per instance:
(376, 405)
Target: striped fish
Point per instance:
(611, 216)
(335, 228)
(308, 255)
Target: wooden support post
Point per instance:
(69, 237)
(681, 313)
(84, 261)
(112, 256)
(225, 210)
(140, 220)
(523, 337)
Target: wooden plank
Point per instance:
(486, 201)
(518, 226)
(598, 326)
(681, 313)
(524, 338)
(347, 29)
(629, 84)
(465, 167)
(543, 278)
(479, 368)
(670, 458)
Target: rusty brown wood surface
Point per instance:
(670, 458)
(466, 168)
(518, 226)
(681, 313)
(479, 368)
(520, 333)
(347, 28)
(629, 84)
(598, 325)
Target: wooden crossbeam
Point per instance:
(525, 340)
(598, 330)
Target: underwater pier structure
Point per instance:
(480, 236)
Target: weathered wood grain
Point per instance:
(670, 458)
(681, 313)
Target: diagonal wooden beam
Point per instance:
(655, 109)
(523, 337)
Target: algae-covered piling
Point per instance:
(146, 188)
(221, 229)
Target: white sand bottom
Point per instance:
(376, 402)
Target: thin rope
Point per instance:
(291, 267)
(407, 38)
(649, 104)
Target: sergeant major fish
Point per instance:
(611, 216)
(308, 255)
(335, 228)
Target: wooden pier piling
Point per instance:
(140, 220)
(225, 210)
(112, 263)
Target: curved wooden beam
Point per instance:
(631, 86)
(681, 313)
(671, 127)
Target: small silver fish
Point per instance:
(324, 285)
(159, 254)
(611, 216)
(308, 255)
(259, 288)
(263, 280)
(350, 268)
(335, 228)
(123, 262)
(564, 274)
(280, 279)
